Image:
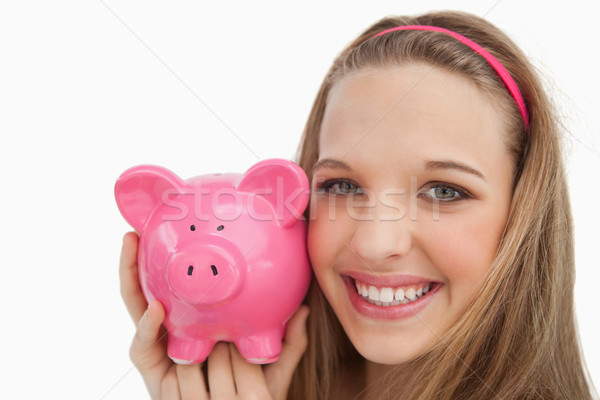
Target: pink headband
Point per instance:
(498, 67)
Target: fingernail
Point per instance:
(307, 312)
(306, 318)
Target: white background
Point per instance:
(90, 88)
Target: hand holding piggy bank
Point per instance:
(225, 254)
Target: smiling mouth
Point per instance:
(392, 296)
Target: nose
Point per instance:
(379, 239)
(206, 271)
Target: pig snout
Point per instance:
(203, 274)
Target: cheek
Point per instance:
(327, 238)
(320, 243)
(313, 240)
(463, 248)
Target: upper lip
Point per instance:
(387, 280)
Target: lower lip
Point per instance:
(390, 312)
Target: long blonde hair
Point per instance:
(518, 338)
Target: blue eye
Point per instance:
(445, 192)
(339, 186)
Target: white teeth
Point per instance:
(373, 293)
(399, 295)
(386, 295)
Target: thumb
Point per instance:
(279, 374)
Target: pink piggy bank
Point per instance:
(225, 254)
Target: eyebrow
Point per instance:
(429, 166)
(330, 163)
(449, 164)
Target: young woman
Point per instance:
(440, 234)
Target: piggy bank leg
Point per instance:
(186, 351)
(262, 348)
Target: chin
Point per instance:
(389, 353)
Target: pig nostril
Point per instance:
(214, 270)
(190, 269)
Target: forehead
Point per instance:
(412, 111)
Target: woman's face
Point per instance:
(409, 201)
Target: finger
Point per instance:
(169, 386)
(279, 374)
(131, 292)
(249, 378)
(191, 382)
(220, 375)
(148, 350)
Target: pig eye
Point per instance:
(192, 228)
(214, 270)
(220, 228)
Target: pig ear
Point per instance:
(282, 183)
(139, 189)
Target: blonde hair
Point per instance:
(518, 338)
